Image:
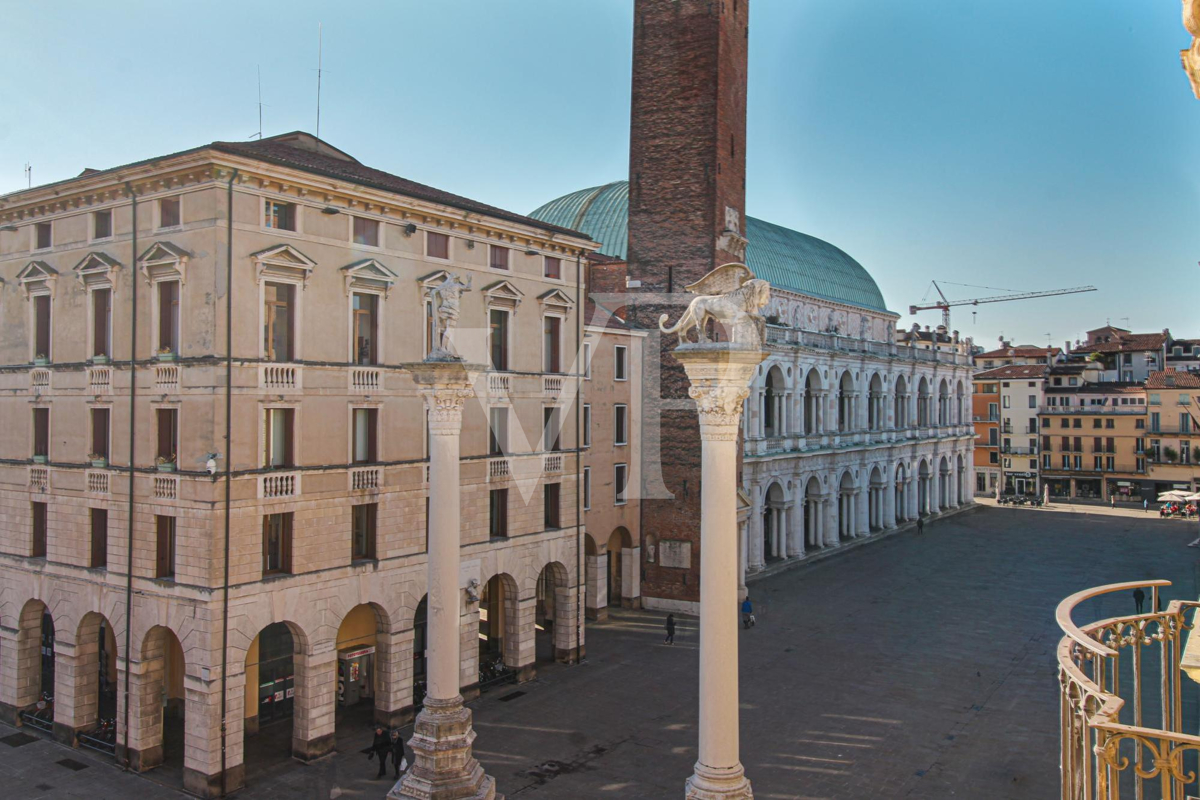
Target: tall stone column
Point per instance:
(720, 375)
(444, 767)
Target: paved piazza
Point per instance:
(916, 667)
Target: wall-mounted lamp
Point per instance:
(410, 229)
(8, 228)
(330, 210)
(531, 252)
(470, 244)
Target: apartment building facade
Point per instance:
(1094, 440)
(985, 415)
(1018, 388)
(1124, 356)
(213, 467)
(1172, 432)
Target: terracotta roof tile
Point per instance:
(1012, 371)
(1171, 379)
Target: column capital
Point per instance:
(445, 385)
(720, 375)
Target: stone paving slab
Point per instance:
(920, 667)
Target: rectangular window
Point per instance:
(1066, 461)
(1096, 422)
(620, 483)
(1004, 401)
(101, 322)
(1066, 443)
(1097, 445)
(362, 531)
(497, 430)
(100, 436)
(1033, 401)
(620, 363)
(1078, 462)
(168, 435)
(1097, 463)
(280, 216)
(168, 317)
(498, 343)
(587, 488)
(437, 245)
(993, 437)
(498, 513)
(587, 425)
(164, 552)
(550, 505)
(1155, 399)
(587, 360)
(994, 457)
(99, 557)
(1078, 444)
(37, 547)
(42, 231)
(1078, 423)
(41, 432)
(279, 322)
(993, 411)
(366, 231)
(366, 328)
(497, 257)
(277, 543)
(1155, 421)
(168, 212)
(1110, 445)
(430, 328)
(621, 424)
(1109, 463)
(551, 429)
(553, 267)
(365, 435)
(1140, 464)
(41, 325)
(101, 224)
(1140, 424)
(1045, 461)
(1185, 423)
(1109, 424)
(277, 438)
(1045, 442)
(551, 344)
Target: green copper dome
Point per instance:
(788, 259)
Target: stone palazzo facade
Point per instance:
(213, 461)
(848, 433)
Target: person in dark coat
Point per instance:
(1139, 597)
(670, 629)
(380, 747)
(399, 762)
(920, 525)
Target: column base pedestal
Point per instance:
(444, 767)
(710, 783)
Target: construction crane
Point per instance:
(945, 304)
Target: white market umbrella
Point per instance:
(1167, 497)
(1192, 498)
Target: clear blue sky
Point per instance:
(1022, 144)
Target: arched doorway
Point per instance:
(901, 403)
(499, 628)
(959, 394)
(774, 411)
(359, 667)
(620, 546)
(959, 490)
(943, 404)
(875, 500)
(845, 403)
(923, 488)
(94, 679)
(875, 404)
(846, 509)
(552, 619)
(773, 523)
(812, 403)
(595, 574)
(271, 681)
(161, 730)
(901, 482)
(813, 535)
(33, 690)
(420, 643)
(943, 484)
(923, 403)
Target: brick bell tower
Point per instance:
(687, 192)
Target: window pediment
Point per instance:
(368, 274)
(556, 300)
(431, 281)
(283, 261)
(164, 260)
(97, 269)
(37, 275)
(503, 294)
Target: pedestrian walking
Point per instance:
(380, 747)
(1112, 501)
(1145, 504)
(399, 762)
(747, 613)
(1139, 597)
(920, 525)
(670, 629)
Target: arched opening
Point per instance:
(773, 523)
(846, 509)
(901, 482)
(901, 403)
(360, 667)
(875, 500)
(595, 579)
(420, 643)
(959, 491)
(943, 484)
(813, 534)
(94, 679)
(959, 394)
(271, 687)
(812, 402)
(943, 410)
(33, 690)
(499, 629)
(158, 704)
(620, 545)
(845, 403)
(875, 404)
(923, 404)
(774, 410)
(923, 488)
(552, 623)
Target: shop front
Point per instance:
(1021, 483)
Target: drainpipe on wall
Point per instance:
(228, 458)
(132, 397)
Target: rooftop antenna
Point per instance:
(319, 43)
(1048, 339)
(260, 104)
(1125, 320)
(28, 175)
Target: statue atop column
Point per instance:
(732, 297)
(446, 298)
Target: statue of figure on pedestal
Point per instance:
(446, 297)
(732, 297)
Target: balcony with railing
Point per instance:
(779, 335)
(1105, 409)
(275, 377)
(1125, 727)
